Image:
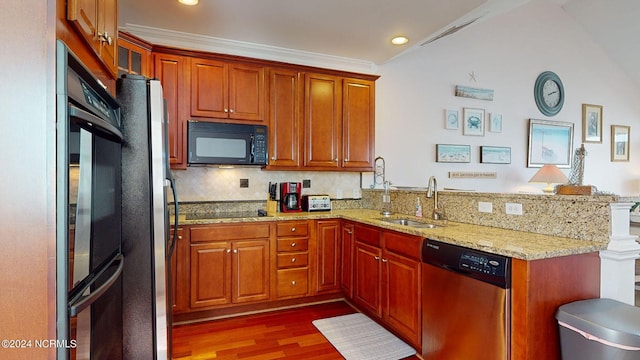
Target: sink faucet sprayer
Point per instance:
(432, 192)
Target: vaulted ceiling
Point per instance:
(362, 29)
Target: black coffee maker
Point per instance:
(290, 197)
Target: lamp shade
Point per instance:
(549, 174)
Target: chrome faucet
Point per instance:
(432, 192)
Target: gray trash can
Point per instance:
(598, 329)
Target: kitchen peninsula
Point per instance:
(554, 260)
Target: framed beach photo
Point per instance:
(550, 142)
(451, 120)
(591, 123)
(453, 153)
(495, 155)
(495, 122)
(473, 122)
(620, 142)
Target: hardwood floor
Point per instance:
(284, 334)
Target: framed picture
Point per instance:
(473, 122)
(495, 155)
(620, 142)
(495, 124)
(550, 142)
(591, 123)
(451, 120)
(453, 153)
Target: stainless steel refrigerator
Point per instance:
(147, 191)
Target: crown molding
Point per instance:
(232, 47)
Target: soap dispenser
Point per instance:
(386, 199)
(418, 207)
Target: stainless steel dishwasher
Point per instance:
(466, 303)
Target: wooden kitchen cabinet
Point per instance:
(285, 122)
(328, 256)
(387, 279)
(134, 56)
(97, 23)
(179, 295)
(346, 265)
(229, 264)
(292, 253)
(173, 73)
(339, 123)
(227, 91)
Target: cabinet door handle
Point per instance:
(226, 110)
(293, 282)
(231, 111)
(293, 244)
(273, 158)
(349, 232)
(384, 260)
(235, 251)
(293, 260)
(346, 160)
(376, 257)
(104, 37)
(180, 237)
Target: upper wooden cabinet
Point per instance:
(285, 127)
(97, 23)
(172, 71)
(339, 123)
(134, 56)
(229, 91)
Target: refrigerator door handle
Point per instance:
(174, 238)
(85, 301)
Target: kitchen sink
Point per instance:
(412, 223)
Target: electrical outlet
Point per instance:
(306, 184)
(339, 194)
(485, 207)
(244, 183)
(513, 209)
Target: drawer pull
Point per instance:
(293, 260)
(376, 257)
(293, 282)
(235, 251)
(293, 244)
(293, 229)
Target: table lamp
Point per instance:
(549, 174)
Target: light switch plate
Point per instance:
(485, 207)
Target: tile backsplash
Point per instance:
(214, 184)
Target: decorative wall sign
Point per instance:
(591, 123)
(620, 142)
(472, 175)
(550, 142)
(495, 155)
(473, 122)
(451, 119)
(453, 153)
(495, 124)
(474, 93)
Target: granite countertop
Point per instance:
(512, 243)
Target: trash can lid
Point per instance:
(606, 319)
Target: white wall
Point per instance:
(506, 53)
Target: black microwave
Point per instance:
(210, 143)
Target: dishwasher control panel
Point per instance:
(485, 264)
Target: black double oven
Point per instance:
(89, 220)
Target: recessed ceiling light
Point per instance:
(188, 2)
(399, 40)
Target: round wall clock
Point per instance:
(549, 93)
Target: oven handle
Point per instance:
(94, 124)
(85, 301)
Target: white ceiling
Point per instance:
(362, 29)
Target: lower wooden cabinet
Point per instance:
(180, 272)
(328, 256)
(229, 264)
(346, 261)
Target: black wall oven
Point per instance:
(89, 222)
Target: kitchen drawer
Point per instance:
(292, 244)
(367, 235)
(292, 228)
(292, 282)
(293, 259)
(226, 232)
(403, 244)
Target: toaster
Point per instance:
(316, 203)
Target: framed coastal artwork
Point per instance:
(550, 142)
(473, 121)
(453, 153)
(495, 155)
(620, 142)
(591, 123)
(451, 120)
(495, 122)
